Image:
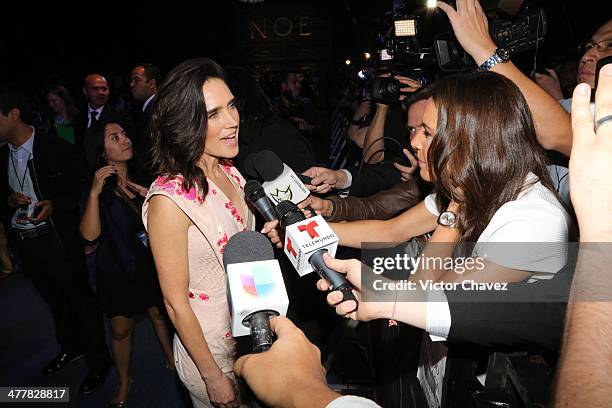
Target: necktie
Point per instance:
(92, 118)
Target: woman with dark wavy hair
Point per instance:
(477, 145)
(193, 207)
(126, 282)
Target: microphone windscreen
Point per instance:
(268, 165)
(292, 218)
(285, 207)
(247, 246)
(249, 166)
(253, 190)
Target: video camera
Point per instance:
(517, 34)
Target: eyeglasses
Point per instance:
(602, 46)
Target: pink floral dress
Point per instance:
(215, 219)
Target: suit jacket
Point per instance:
(55, 174)
(141, 139)
(108, 113)
(380, 206)
(528, 316)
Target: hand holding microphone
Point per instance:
(323, 179)
(256, 196)
(280, 182)
(351, 269)
(306, 241)
(255, 287)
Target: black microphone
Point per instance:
(270, 167)
(255, 194)
(289, 214)
(255, 287)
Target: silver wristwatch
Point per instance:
(447, 219)
(500, 55)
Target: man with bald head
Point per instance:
(96, 91)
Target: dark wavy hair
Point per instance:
(179, 122)
(484, 147)
(94, 156)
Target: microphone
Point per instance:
(306, 240)
(280, 182)
(255, 194)
(255, 287)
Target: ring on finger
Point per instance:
(603, 120)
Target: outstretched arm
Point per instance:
(552, 122)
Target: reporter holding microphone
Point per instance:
(290, 374)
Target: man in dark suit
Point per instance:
(96, 91)
(145, 79)
(39, 197)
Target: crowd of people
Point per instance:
(457, 168)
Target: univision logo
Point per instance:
(258, 282)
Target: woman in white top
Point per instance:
(477, 145)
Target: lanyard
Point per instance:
(21, 180)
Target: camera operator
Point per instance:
(470, 25)
(374, 146)
(365, 179)
(386, 203)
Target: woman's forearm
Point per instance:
(90, 222)
(190, 333)
(353, 234)
(439, 248)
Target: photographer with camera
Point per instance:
(470, 26)
(386, 203)
(375, 146)
(393, 163)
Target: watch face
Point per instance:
(447, 218)
(503, 54)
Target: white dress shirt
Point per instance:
(19, 178)
(98, 113)
(146, 103)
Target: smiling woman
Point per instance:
(192, 209)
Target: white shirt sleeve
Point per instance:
(438, 319)
(527, 238)
(352, 401)
(349, 179)
(430, 204)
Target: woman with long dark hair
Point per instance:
(194, 206)
(478, 147)
(126, 281)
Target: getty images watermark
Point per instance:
(458, 265)
(470, 272)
